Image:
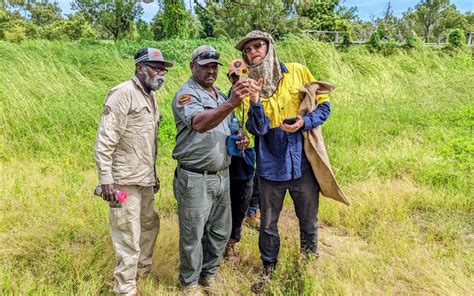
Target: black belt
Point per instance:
(202, 172)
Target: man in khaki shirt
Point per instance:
(125, 154)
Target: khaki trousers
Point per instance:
(134, 228)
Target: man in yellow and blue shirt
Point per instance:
(281, 162)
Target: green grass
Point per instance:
(399, 138)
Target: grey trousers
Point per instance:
(204, 214)
(134, 228)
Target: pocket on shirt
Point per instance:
(140, 116)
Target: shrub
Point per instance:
(389, 47)
(413, 42)
(5, 22)
(72, 29)
(374, 43)
(457, 38)
(15, 34)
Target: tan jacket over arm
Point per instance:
(315, 149)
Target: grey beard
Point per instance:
(154, 84)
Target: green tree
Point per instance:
(144, 30)
(15, 34)
(157, 26)
(428, 15)
(114, 16)
(5, 22)
(44, 13)
(361, 30)
(236, 18)
(389, 25)
(208, 22)
(74, 28)
(18, 5)
(469, 17)
(452, 19)
(176, 20)
(317, 14)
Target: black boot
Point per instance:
(264, 278)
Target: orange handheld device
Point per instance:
(243, 73)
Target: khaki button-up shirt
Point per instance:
(125, 150)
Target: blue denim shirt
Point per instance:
(280, 155)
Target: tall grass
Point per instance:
(399, 138)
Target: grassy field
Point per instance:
(400, 139)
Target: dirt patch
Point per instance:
(331, 240)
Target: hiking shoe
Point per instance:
(263, 279)
(253, 221)
(143, 273)
(191, 290)
(209, 283)
(229, 253)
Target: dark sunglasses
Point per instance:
(157, 69)
(214, 55)
(256, 46)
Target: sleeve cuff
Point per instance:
(307, 123)
(258, 104)
(106, 179)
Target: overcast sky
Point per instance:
(366, 9)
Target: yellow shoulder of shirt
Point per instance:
(304, 76)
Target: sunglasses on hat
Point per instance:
(207, 55)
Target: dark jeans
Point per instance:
(305, 194)
(240, 193)
(253, 205)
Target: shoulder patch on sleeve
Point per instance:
(183, 100)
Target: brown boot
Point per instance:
(253, 221)
(230, 253)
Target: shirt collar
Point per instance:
(139, 85)
(283, 68)
(195, 83)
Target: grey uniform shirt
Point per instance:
(201, 151)
(125, 150)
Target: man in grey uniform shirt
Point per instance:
(125, 154)
(201, 183)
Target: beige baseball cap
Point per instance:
(205, 54)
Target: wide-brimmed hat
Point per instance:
(256, 34)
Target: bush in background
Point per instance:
(15, 34)
(389, 47)
(374, 43)
(413, 43)
(457, 38)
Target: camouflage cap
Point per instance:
(256, 34)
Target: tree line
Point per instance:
(429, 20)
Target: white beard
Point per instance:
(154, 84)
